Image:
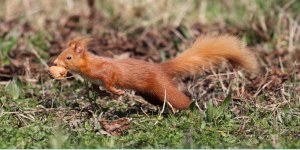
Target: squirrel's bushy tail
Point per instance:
(210, 50)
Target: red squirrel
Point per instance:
(154, 81)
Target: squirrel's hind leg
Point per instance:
(176, 98)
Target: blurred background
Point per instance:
(147, 29)
(273, 24)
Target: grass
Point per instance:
(39, 112)
(27, 124)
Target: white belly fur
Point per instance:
(92, 80)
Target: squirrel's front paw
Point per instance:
(120, 92)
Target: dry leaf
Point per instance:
(116, 127)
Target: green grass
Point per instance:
(215, 127)
(180, 131)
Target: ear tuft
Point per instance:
(71, 43)
(85, 41)
(80, 44)
(79, 40)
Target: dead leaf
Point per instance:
(116, 127)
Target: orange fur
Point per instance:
(210, 50)
(154, 81)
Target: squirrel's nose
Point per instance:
(59, 63)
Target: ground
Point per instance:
(232, 108)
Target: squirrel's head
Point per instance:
(74, 56)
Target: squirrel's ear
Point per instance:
(79, 49)
(82, 45)
(74, 41)
(71, 43)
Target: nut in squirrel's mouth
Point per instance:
(58, 72)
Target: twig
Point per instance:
(63, 78)
(144, 112)
(32, 111)
(221, 81)
(4, 75)
(172, 108)
(262, 88)
(281, 64)
(163, 109)
(38, 56)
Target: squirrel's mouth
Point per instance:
(61, 65)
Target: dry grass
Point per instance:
(279, 25)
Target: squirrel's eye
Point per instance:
(69, 57)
